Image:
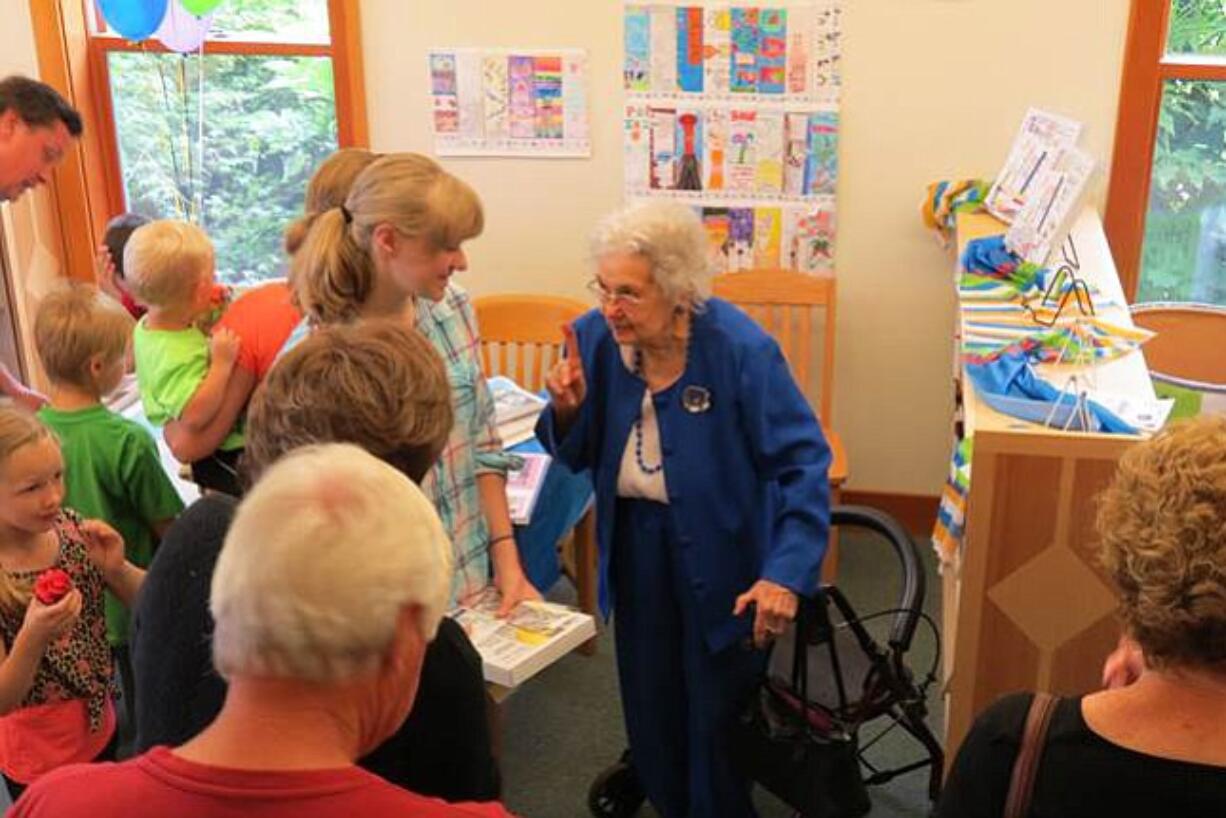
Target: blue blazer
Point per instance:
(747, 478)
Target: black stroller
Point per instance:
(853, 680)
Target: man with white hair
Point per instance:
(36, 128)
(331, 583)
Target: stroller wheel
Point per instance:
(616, 792)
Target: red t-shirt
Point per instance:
(262, 319)
(160, 783)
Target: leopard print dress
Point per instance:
(78, 664)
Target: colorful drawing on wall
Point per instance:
(822, 156)
(720, 51)
(733, 108)
(810, 243)
(789, 236)
(723, 153)
(509, 102)
(637, 68)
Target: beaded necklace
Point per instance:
(638, 424)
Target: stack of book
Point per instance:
(534, 636)
(515, 410)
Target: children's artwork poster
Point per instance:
(734, 109)
(744, 236)
(787, 51)
(509, 102)
(1040, 140)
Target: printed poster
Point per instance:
(510, 102)
(733, 109)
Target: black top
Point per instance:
(443, 749)
(1080, 773)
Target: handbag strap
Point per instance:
(1026, 765)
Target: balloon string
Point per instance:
(200, 134)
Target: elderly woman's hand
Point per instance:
(774, 608)
(565, 382)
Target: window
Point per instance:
(229, 138)
(1166, 216)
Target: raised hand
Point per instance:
(565, 381)
(104, 273)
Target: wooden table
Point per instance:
(1027, 608)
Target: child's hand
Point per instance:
(104, 545)
(30, 399)
(223, 345)
(46, 623)
(104, 273)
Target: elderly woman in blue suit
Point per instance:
(711, 494)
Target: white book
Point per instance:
(534, 636)
(512, 401)
(524, 485)
(517, 431)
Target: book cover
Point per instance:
(534, 636)
(512, 401)
(524, 485)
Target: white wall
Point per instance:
(29, 224)
(934, 89)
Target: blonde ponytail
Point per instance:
(330, 274)
(327, 189)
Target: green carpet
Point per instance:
(564, 727)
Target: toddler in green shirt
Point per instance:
(112, 470)
(182, 372)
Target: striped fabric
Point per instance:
(474, 446)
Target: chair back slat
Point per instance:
(786, 304)
(526, 330)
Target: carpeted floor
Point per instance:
(564, 727)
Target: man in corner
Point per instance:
(37, 127)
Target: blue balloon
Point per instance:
(133, 19)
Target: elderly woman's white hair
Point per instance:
(322, 555)
(672, 239)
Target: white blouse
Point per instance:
(632, 481)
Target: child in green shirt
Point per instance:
(182, 373)
(112, 470)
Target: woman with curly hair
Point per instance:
(1155, 746)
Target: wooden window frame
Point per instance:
(88, 185)
(1147, 67)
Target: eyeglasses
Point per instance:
(617, 297)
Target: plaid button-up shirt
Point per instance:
(474, 447)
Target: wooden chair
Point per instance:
(792, 306)
(521, 338)
(521, 334)
(1189, 343)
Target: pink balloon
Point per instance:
(181, 30)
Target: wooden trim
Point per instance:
(108, 138)
(348, 74)
(63, 62)
(917, 512)
(1168, 70)
(1136, 124)
(234, 47)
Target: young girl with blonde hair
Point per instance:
(55, 665)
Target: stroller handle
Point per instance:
(902, 631)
